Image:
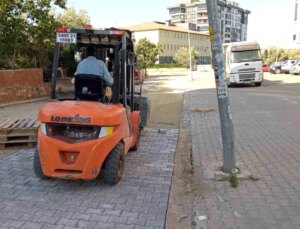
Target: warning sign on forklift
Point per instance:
(67, 38)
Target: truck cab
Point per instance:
(243, 63)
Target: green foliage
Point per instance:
(182, 56)
(70, 18)
(234, 181)
(166, 65)
(147, 53)
(67, 59)
(280, 54)
(294, 54)
(27, 32)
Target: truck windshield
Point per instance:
(245, 56)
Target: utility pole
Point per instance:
(277, 50)
(221, 86)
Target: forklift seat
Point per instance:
(88, 87)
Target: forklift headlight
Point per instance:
(43, 128)
(106, 131)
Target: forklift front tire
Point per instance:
(114, 165)
(37, 168)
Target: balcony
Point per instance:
(202, 17)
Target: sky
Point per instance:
(270, 22)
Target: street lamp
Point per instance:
(277, 50)
(190, 54)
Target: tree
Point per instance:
(13, 31)
(27, 31)
(182, 56)
(147, 53)
(294, 54)
(70, 18)
(279, 54)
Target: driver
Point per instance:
(91, 65)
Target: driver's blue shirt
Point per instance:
(91, 65)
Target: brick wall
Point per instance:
(23, 84)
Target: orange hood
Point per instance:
(82, 112)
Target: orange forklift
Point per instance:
(86, 133)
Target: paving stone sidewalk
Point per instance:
(139, 201)
(267, 142)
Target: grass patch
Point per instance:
(234, 181)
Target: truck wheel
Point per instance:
(114, 165)
(258, 84)
(277, 71)
(228, 83)
(37, 168)
(135, 147)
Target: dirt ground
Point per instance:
(166, 95)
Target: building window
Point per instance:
(201, 7)
(174, 11)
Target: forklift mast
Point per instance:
(103, 40)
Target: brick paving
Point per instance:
(267, 142)
(139, 201)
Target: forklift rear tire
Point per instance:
(37, 168)
(136, 146)
(114, 165)
(145, 106)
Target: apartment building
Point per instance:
(172, 37)
(233, 24)
(296, 35)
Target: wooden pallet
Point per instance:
(18, 132)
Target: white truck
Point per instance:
(242, 63)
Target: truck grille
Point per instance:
(72, 133)
(247, 76)
(246, 69)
